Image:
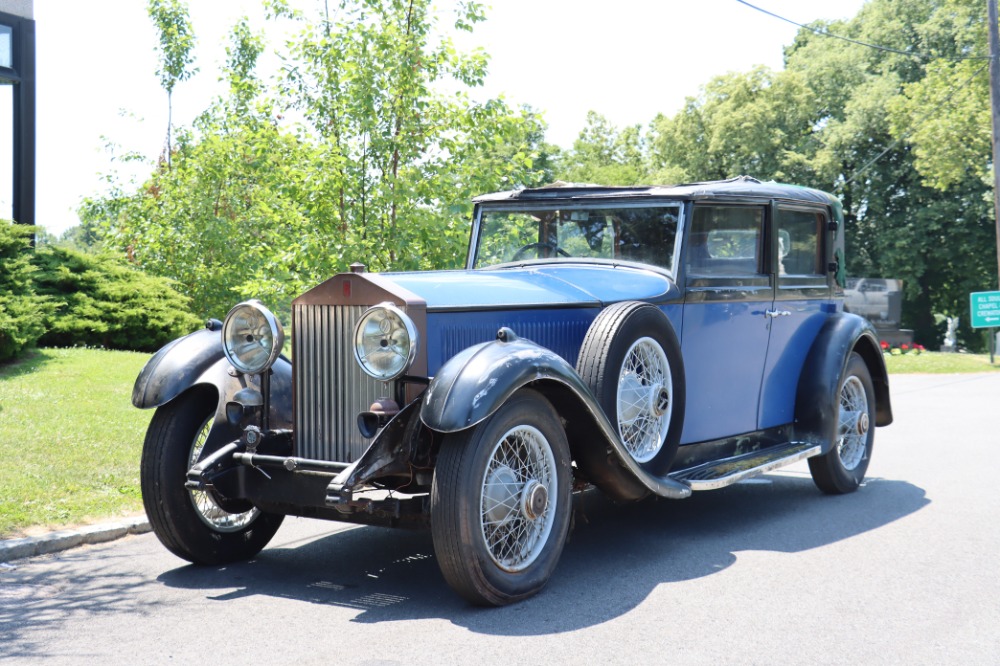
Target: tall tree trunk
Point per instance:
(918, 315)
(170, 123)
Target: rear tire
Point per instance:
(190, 523)
(500, 502)
(842, 469)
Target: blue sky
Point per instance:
(627, 59)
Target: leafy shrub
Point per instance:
(22, 311)
(104, 302)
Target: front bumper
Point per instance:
(387, 485)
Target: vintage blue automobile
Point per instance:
(640, 340)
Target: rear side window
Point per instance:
(726, 240)
(800, 242)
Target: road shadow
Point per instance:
(617, 555)
(35, 601)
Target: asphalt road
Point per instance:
(905, 571)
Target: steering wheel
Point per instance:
(538, 246)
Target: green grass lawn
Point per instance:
(70, 438)
(939, 363)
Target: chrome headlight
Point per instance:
(385, 342)
(252, 337)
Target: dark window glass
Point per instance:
(726, 240)
(800, 247)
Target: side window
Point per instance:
(726, 240)
(800, 242)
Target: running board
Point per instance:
(722, 473)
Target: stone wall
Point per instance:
(22, 8)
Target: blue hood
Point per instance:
(534, 286)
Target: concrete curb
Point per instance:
(17, 549)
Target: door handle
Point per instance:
(777, 313)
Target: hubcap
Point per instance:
(645, 387)
(863, 424)
(534, 500)
(660, 398)
(516, 514)
(500, 488)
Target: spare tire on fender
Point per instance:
(631, 360)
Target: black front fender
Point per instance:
(816, 398)
(476, 382)
(197, 360)
(189, 361)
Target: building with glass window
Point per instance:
(17, 110)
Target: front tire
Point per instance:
(500, 502)
(842, 469)
(191, 523)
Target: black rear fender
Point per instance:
(816, 398)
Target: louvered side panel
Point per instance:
(330, 388)
(562, 337)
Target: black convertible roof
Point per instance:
(741, 187)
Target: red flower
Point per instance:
(904, 346)
(885, 345)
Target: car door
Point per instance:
(802, 303)
(728, 290)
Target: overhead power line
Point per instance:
(822, 32)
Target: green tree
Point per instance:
(170, 17)
(605, 155)
(945, 115)
(226, 219)
(79, 237)
(391, 150)
(899, 132)
(22, 310)
(101, 301)
(902, 224)
(755, 123)
(402, 156)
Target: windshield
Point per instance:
(644, 234)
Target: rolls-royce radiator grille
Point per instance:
(330, 389)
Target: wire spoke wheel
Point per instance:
(842, 468)
(194, 524)
(516, 510)
(205, 505)
(853, 423)
(645, 389)
(631, 360)
(500, 502)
